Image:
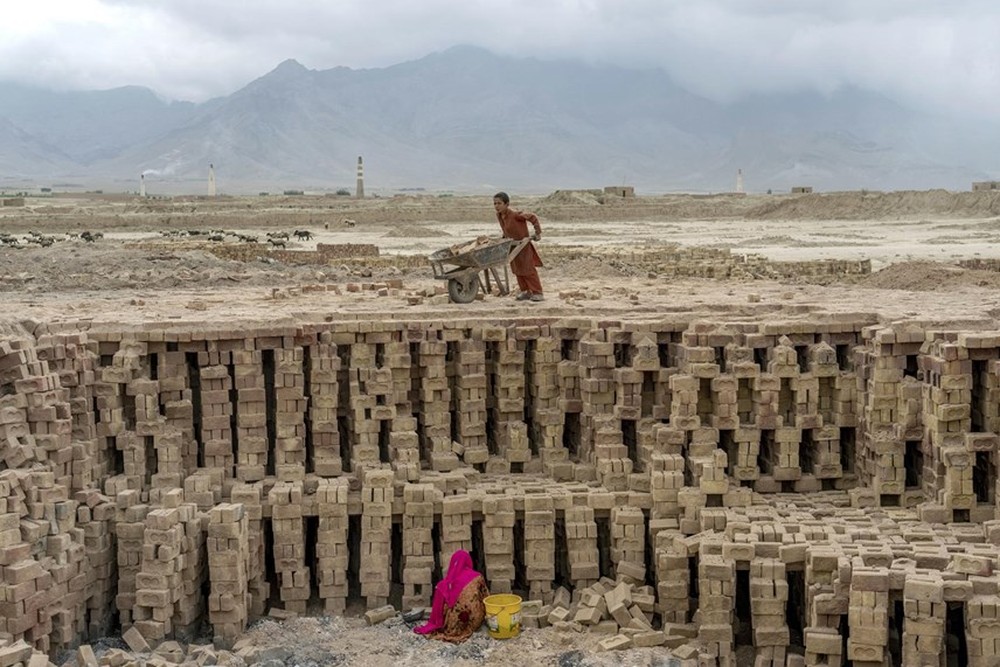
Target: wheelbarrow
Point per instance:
(468, 271)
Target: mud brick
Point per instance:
(616, 643)
(376, 616)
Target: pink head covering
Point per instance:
(460, 574)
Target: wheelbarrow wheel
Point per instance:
(463, 291)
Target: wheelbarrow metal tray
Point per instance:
(494, 253)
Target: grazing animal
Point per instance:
(216, 237)
(348, 222)
(276, 242)
(303, 234)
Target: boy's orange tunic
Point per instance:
(515, 226)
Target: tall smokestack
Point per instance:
(211, 180)
(142, 185)
(739, 181)
(360, 189)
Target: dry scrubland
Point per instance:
(922, 259)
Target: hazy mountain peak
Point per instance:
(466, 117)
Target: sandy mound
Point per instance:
(930, 277)
(866, 205)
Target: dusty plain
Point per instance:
(648, 257)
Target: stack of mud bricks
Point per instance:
(404, 441)
(368, 386)
(96, 515)
(159, 582)
(110, 396)
(613, 464)
(376, 536)
(456, 525)
(435, 405)
(467, 365)
(251, 415)
(628, 544)
(671, 555)
(581, 546)
(290, 403)
(191, 606)
(498, 541)
(506, 368)
(597, 392)
(332, 552)
(324, 392)
(250, 496)
(228, 547)
(568, 372)
(539, 545)
(215, 386)
(288, 527)
(768, 603)
(868, 615)
(72, 358)
(716, 601)
(176, 403)
(130, 526)
(823, 643)
(925, 611)
(546, 417)
(418, 544)
(41, 562)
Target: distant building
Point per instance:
(620, 190)
(802, 189)
(986, 185)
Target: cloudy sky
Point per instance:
(941, 55)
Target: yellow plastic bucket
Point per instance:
(503, 615)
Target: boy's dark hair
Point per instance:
(502, 196)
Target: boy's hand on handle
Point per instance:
(537, 236)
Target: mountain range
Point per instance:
(468, 120)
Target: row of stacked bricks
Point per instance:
(288, 530)
(168, 596)
(418, 544)
(371, 410)
(467, 369)
(251, 497)
(228, 548)
(376, 536)
(176, 398)
(332, 550)
(892, 404)
(545, 415)
(716, 602)
(434, 401)
(628, 544)
(581, 546)
(507, 401)
(959, 438)
(43, 580)
(289, 418)
(73, 358)
(251, 415)
(324, 395)
(498, 542)
(216, 420)
(456, 525)
(775, 416)
(539, 545)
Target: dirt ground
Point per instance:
(155, 263)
